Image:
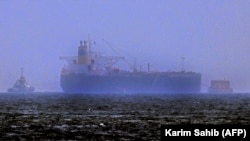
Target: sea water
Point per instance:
(65, 116)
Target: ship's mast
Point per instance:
(182, 64)
(89, 42)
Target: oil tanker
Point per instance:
(91, 72)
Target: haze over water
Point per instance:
(212, 36)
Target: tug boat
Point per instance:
(21, 85)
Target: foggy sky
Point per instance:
(212, 35)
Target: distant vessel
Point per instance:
(21, 85)
(220, 86)
(90, 72)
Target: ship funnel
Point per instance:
(83, 56)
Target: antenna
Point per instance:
(89, 41)
(135, 65)
(148, 67)
(182, 64)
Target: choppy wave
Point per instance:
(66, 116)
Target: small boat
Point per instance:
(21, 85)
(220, 86)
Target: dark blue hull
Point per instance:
(132, 83)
